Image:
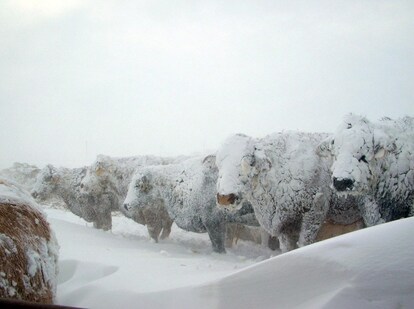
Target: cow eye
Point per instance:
(363, 159)
(349, 126)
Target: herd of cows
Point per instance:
(292, 185)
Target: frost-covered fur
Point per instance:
(63, 183)
(187, 191)
(22, 173)
(28, 248)
(105, 186)
(286, 182)
(376, 162)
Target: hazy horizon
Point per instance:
(122, 78)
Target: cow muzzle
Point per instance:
(127, 207)
(226, 200)
(343, 184)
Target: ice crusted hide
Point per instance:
(63, 184)
(284, 179)
(187, 191)
(105, 185)
(376, 162)
(28, 248)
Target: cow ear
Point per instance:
(54, 175)
(210, 162)
(247, 164)
(262, 162)
(383, 144)
(99, 171)
(325, 147)
(379, 152)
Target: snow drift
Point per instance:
(371, 268)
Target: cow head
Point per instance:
(238, 162)
(98, 186)
(47, 182)
(140, 194)
(354, 148)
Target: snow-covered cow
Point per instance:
(187, 191)
(28, 248)
(285, 180)
(22, 173)
(105, 187)
(63, 183)
(376, 162)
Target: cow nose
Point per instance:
(225, 200)
(343, 184)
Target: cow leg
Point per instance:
(273, 243)
(154, 224)
(216, 231)
(313, 219)
(286, 242)
(103, 219)
(370, 212)
(166, 227)
(264, 236)
(154, 231)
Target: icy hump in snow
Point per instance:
(371, 268)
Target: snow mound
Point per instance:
(371, 268)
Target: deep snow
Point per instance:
(372, 268)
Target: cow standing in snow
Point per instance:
(187, 191)
(22, 173)
(286, 182)
(28, 248)
(63, 183)
(105, 187)
(376, 162)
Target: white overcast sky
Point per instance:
(129, 77)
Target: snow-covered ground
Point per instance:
(372, 268)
